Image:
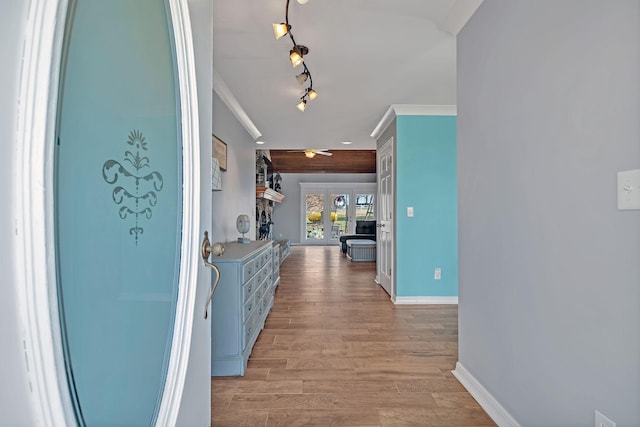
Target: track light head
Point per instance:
(312, 94)
(296, 54)
(302, 77)
(309, 154)
(301, 106)
(280, 29)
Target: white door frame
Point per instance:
(34, 223)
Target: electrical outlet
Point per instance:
(437, 274)
(603, 421)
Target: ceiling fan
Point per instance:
(311, 153)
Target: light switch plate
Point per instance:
(410, 211)
(603, 421)
(629, 190)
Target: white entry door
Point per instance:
(385, 218)
(123, 217)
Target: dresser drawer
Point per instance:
(259, 293)
(262, 274)
(248, 270)
(248, 308)
(266, 257)
(249, 328)
(248, 289)
(260, 259)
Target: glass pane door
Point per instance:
(118, 198)
(314, 214)
(365, 207)
(339, 215)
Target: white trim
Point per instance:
(411, 110)
(384, 123)
(424, 300)
(33, 214)
(183, 326)
(489, 403)
(459, 15)
(229, 99)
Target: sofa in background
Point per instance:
(365, 229)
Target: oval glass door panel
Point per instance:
(118, 207)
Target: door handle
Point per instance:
(205, 251)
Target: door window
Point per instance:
(314, 214)
(118, 180)
(339, 215)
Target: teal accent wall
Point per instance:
(426, 178)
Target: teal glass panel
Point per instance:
(118, 207)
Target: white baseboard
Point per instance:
(425, 300)
(489, 403)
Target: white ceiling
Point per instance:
(364, 55)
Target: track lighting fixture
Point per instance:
(296, 56)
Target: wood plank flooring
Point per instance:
(336, 352)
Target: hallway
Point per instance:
(336, 352)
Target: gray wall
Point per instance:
(548, 110)
(238, 195)
(14, 406)
(286, 215)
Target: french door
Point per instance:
(330, 210)
(122, 216)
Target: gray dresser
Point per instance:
(241, 303)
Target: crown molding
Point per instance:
(229, 99)
(411, 110)
(459, 15)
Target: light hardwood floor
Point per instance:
(336, 352)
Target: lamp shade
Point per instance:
(312, 94)
(302, 77)
(295, 58)
(302, 105)
(280, 30)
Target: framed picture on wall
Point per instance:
(216, 175)
(219, 151)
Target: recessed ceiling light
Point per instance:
(346, 142)
(260, 142)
